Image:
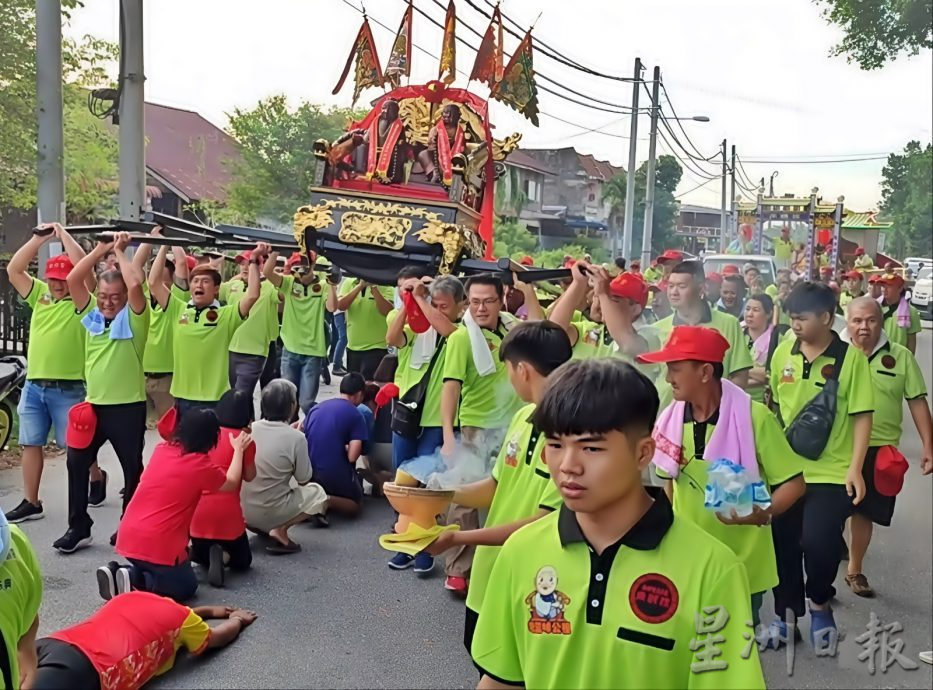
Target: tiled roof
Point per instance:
(588, 164)
(188, 152)
(865, 221)
(520, 159)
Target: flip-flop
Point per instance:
(279, 549)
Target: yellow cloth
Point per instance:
(415, 539)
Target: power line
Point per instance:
(667, 97)
(818, 162)
(693, 189)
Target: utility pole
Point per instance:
(50, 163)
(131, 112)
(648, 229)
(733, 226)
(628, 222)
(722, 211)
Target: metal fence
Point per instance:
(14, 318)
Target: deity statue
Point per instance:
(445, 141)
(379, 152)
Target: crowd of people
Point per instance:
(595, 409)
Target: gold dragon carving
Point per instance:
(378, 231)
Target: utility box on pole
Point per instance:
(50, 168)
(131, 111)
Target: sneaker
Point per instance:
(457, 585)
(926, 657)
(401, 561)
(424, 563)
(73, 540)
(320, 520)
(777, 635)
(106, 580)
(339, 371)
(215, 568)
(25, 511)
(97, 491)
(823, 628)
(124, 579)
(858, 583)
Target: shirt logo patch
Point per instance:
(511, 453)
(888, 362)
(653, 598)
(45, 299)
(547, 605)
(211, 315)
(827, 371)
(492, 346)
(183, 319)
(593, 336)
(787, 375)
(316, 287)
(297, 291)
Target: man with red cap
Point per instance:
(55, 373)
(617, 303)
(875, 288)
(896, 377)
(710, 419)
(901, 319)
(852, 288)
(863, 262)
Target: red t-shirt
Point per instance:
(134, 637)
(155, 526)
(219, 514)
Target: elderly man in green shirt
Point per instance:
(901, 320)
(896, 377)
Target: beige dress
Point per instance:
(282, 487)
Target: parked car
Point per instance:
(913, 265)
(714, 263)
(922, 294)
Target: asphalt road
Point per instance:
(335, 616)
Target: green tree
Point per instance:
(907, 199)
(90, 146)
(276, 167)
(877, 31)
(512, 239)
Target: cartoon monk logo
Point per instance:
(787, 375)
(547, 605)
(46, 298)
(511, 453)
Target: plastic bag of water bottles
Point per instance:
(730, 487)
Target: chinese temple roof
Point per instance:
(865, 221)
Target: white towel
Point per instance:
(482, 356)
(422, 350)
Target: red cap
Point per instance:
(386, 394)
(166, 425)
(890, 468)
(630, 286)
(293, 260)
(527, 261)
(827, 270)
(714, 277)
(82, 424)
(874, 278)
(570, 263)
(891, 279)
(416, 319)
(191, 262)
(58, 267)
(853, 275)
(671, 255)
(243, 257)
(859, 251)
(730, 270)
(690, 343)
(746, 230)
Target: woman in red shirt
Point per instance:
(153, 534)
(218, 530)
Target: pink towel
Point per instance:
(903, 311)
(733, 437)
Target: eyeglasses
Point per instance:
(484, 302)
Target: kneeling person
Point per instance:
(605, 576)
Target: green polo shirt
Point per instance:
(896, 377)
(557, 615)
(366, 327)
(113, 369)
(406, 377)
(303, 316)
(261, 326)
(158, 359)
(772, 291)
(795, 382)
(737, 357)
(486, 402)
(200, 344)
(593, 340)
(777, 463)
(56, 336)
(20, 595)
(232, 287)
(898, 334)
(523, 487)
(783, 249)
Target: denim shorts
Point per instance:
(42, 407)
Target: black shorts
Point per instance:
(61, 665)
(240, 555)
(365, 362)
(875, 506)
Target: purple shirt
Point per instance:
(330, 427)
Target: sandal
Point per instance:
(279, 549)
(858, 583)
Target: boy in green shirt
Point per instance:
(116, 330)
(810, 534)
(520, 489)
(688, 443)
(366, 308)
(611, 590)
(896, 377)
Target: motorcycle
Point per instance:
(12, 376)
